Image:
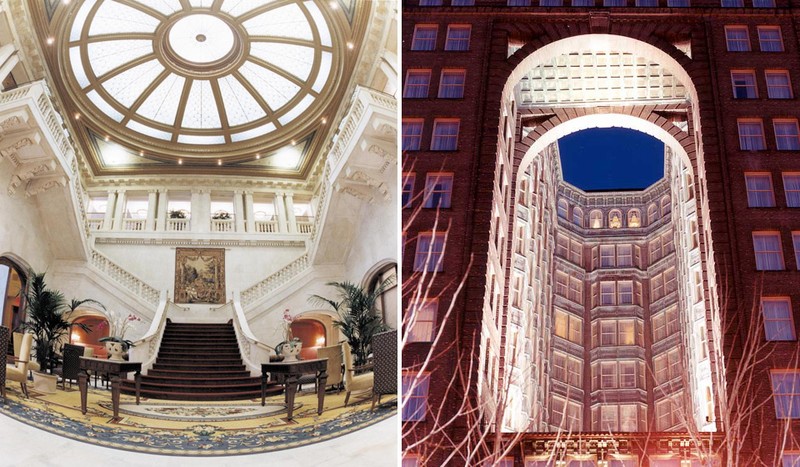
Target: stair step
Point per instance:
(199, 360)
(192, 373)
(173, 386)
(200, 355)
(196, 367)
(212, 379)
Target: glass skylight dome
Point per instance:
(200, 73)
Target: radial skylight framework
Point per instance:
(200, 73)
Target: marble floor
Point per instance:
(376, 446)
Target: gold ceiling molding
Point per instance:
(202, 87)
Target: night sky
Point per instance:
(611, 159)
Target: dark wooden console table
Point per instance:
(290, 372)
(115, 370)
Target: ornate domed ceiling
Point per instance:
(211, 86)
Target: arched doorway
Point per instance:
(98, 328)
(312, 335)
(13, 282)
(386, 304)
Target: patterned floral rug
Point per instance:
(178, 428)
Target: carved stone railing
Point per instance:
(178, 225)
(222, 225)
(275, 280)
(124, 278)
(145, 350)
(305, 224)
(254, 352)
(95, 224)
(134, 225)
(266, 226)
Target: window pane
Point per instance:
(769, 39)
(412, 135)
(791, 186)
(452, 84)
(457, 38)
(647, 3)
(416, 85)
(421, 320)
(744, 85)
(429, 252)
(791, 460)
(786, 135)
(415, 395)
(732, 3)
(437, 190)
(759, 190)
(778, 85)
(764, 3)
(445, 136)
(778, 323)
(424, 37)
(751, 136)
(737, 38)
(408, 189)
(769, 256)
(786, 394)
(678, 3)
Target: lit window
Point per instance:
(737, 38)
(417, 82)
(615, 219)
(410, 460)
(634, 218)
(627, 334)
(568, 326)
(421, 321)
(430, 2)
(657, 286)
(438, 187)
(751, 135)
(769, 255)
(652, 214)
(791, 460)
(457, 37)
(596, 219)
(796, 244)
(408, 189)
(451, 86)
(415, 395)
(787, 135)
(430, 250)
(445, 135)
(779, 85)
(769, 38)
(732, 3)
(668, 414)
(759, 190)
(744, 84)
(791, 186)
(424, 37)
(412, 134)
(786, 393)
(763, 3)
(575, 290)
(778, 323)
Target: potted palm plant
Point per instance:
(47, 319)
(358, 320)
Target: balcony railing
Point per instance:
(270, 226)
(134, 225)
(305, 224)
(222, 225)
(177, 225)
(95, 224)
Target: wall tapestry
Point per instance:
(200, 275)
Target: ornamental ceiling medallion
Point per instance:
(212, 86)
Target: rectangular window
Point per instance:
(607, 293)
(769, 254)
(408, 189)
(625, 292)
(562, 284)
(657, 287)
(796, 245)
(576, 290)
(608, 333)
(430, 251)
(607, 256)
(790, 460)
(626, 332)
(732, 3)
(624, 256)
(576, 252)
(627, 375)
(519, 3)
(759, 190)
(608, 375)
(744, 84)
(582, 2)
(416, 85)
(778, 322)
(551, 2)
(787, 135)
(445, 135)
(575, 371)
(770, 38)
(568, 327)
(779, 85)
(412, 134)
(786, 393)
(751, 135)
(763, 3)
(424, 37)
(614, 2)
(737, 38)
(647, 3)
(415, 395)
(430, 2)
(559, 367)
(462, 2)
(791, 186)
(457, 37)
(659, 322)
(678, 3)
(451, 84)
(438, 187)
(421, 321)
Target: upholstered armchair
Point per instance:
(18, 371)
(384, 352)
(5, 334)
(352, 381)
(32, 365)
(334, 370)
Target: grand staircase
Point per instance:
(199, 362)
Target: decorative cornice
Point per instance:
(199, 242)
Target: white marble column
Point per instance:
(161, 218)
(238, 210)
(290, 218)
(108, 218)
(248, 210)
(280, 209)
(196, 214)
(119, 211)
(152, 200)
(9, 59)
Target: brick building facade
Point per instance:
(491, 370)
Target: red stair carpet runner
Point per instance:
(199, 362)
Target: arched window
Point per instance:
(563, 209)
(577, 216)
(386, 305)
(652, 214)
(13, 282)
(634, 218)
(666, 206)
(615, 219)
(596, 219)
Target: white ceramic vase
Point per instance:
(116, 350)
(290, 350)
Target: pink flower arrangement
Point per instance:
(287, 324)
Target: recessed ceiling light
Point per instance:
(219, 162)
(333, 4)
(107, 138)
(294, 142)
(324, 120)
(180, 161)
(77, 116)
(141, 153)
(258, 156)
(350, 45)
(50, 41)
